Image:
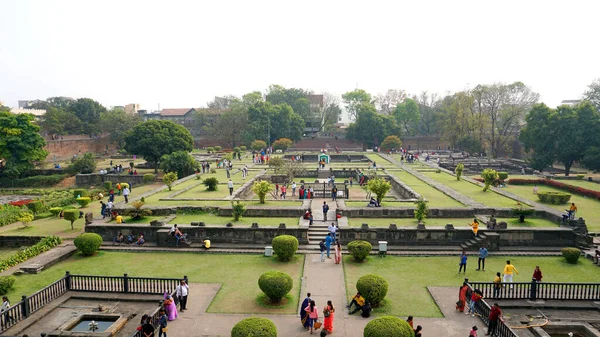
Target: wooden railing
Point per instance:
(88, 283)
(540, 291)
(483, 309)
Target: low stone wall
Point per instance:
(405, 191)
(19, 241)
(97, 179)
(281, 211)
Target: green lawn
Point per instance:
(211, 219)
(45, 227)
(144, 220)
(489, 198)
(587, 207)
(364, 203)
(436, 198)
(201, 192)
(238, 275)
(408, 277)
(582, 183)
(441, 222)
(529, 223)
(6, 252)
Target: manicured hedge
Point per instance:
(45, 244)
(88, 243)
(148, 178)
(555, 198)
(34, 181)
(285, 246)
(388, 326)
(254, 327)
(359, 249)
(373, 288)
(275, 284)
(557, 184)
(571, 254)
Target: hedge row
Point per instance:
(10, 214)
(555, 198)
(45, 244)
(35, 181)
(557, 184)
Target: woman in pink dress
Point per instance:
(170, 307)
(313, 315)
(338, 253)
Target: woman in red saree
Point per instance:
(462, 298)
(328, 313)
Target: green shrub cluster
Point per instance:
(243, 148)
(571, 255)
(33, 181)
(6, 284)
(285, 246)
(503, 175)
(255, 327)
(372, 287)
(10, 214)
(83, 201)
(217, 148)
(55, 210)
(37, 207)
(148, 178)
(210, 149)
(388, 326)
(45, 244)
(555, 198)
(211, 183)
(275, 285)
(108, 185)
(88, 243)
(80, 192)
(359, 249)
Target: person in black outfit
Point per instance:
(366, 310)
(147, 327)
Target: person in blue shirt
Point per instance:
(483, 253)
(463, 262)
(162, 320)
(328, 241)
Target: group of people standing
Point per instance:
(309, 316)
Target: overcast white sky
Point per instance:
(183, 53)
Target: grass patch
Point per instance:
(239, 288)
(410, 284)
(435, 197)
(212, 219)
(7, 252)
(384, 203)
(144, 220)
(408, 222)
(45, 227)
(529, 223)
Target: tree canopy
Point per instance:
(356, 100)
(117, 122)
(21, 144)
(180, 162)
(370, 128)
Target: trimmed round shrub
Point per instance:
(6, 284)
(108, 185)
(243, 148)
(217, 148)
(555, 198)
(55, 210)
(571, 254)
(388, 326)
(88, 243)
(148, 178)
(502, 175)
(255, 327)
(83, 201)
(80, 192)
(275, 285)
(285, 246)
(210, 149)
(359, 249)
(372, 287)
(237, 149)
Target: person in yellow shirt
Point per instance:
(358, 301)
(572, 211)
(119, 219)
(206, 243)
(508, 273)
(497, 285)
(475, 226)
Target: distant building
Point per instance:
(185, 117)
(570, 102)
(36, 112)
(131, 108)
(25, 104)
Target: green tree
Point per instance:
(21, 144)
(591, 158)
(117, 122)
(330, 113)
(489, 177)
(153, 139)
(354, 100)
(294, 97)
(179, 161)
(407, 115)
(261, 188)
(282, 144)
(60, 122)
(258, 145)
(430, 113)
(269, 122)
(391, 142)
(592, 94)
(169, 179)
(88, 111)
(84, 164)
(370, 128)
(379, 186)
(538, 137)
(231, 125)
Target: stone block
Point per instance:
(501, 225)
(89, 218)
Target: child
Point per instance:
(475, 297)
(162, 320)
(473, 332)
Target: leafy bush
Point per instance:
(211, 183)
(258, 145)
(243, 148)
(138, 212)
(33, 181)
(108, 185)
(285, 246)
(148, 178)
(275, 285)
(502, 175)
(237, 149)
(9, 214)
(213, 171)
(45, 244)
(379, 186)
(55, 210)
(372, 287)
(238, 210)
(261, 188)
(390, 143)
(210, 149)
(489, 176)
(422, 210)
(80, 192)
(580, 176)
(169, 179)
(555, 198)
(36, 207)
(217, 148)
(6, 284)
(83, 201)
(180, 161)
(123, 185)
(359, 249)
(459, 170)
(276, 162)
(88, 243)
(282, 144)
(388, 326)
(26, 218)
(71, 215)
(255, 327)
(84, 164)
(571, 255)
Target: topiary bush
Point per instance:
(217, 148)
(255, 327)
(88, 243)
(359, 249)
(108, 185)
(237, 149)
(502, 175)
(80, 192)
(71, 215)
(285, 246)
(83, 201)
(571, 254)
(372, 287)
(555, 198)
(489, 177)
(243, 148)
(275, 285)
(55, 210)
(6, 284)
(459, 170)
(388, 326)
(211, 183)
(148, 178)
(210, 149)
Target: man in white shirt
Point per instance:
(126, 194)
(182, 294)
(332, 229)
(293, 189)
(230, 185)
(109, 207)
(4, 310)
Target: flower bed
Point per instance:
(557, 184)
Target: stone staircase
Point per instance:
(474, 243)
(317, 232)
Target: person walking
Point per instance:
(495, 316)
(475, 226)
(332, 229)
(338, 252)
(334, 191)
(182, 292)
(109, 208)
(119, 188)
(497, 285)
(230, 185)
(283, 191)
(537, 274)
(483, 253)
(102, 209)
(322, 248)
(162, 322)
(4, 311)
(328, 313)
(313, 314)
(293, 189)
(325, 210)
(126, 192)
(328, 241)
(572, 211)
(303, 313)
(463, 262)
(509, 269)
